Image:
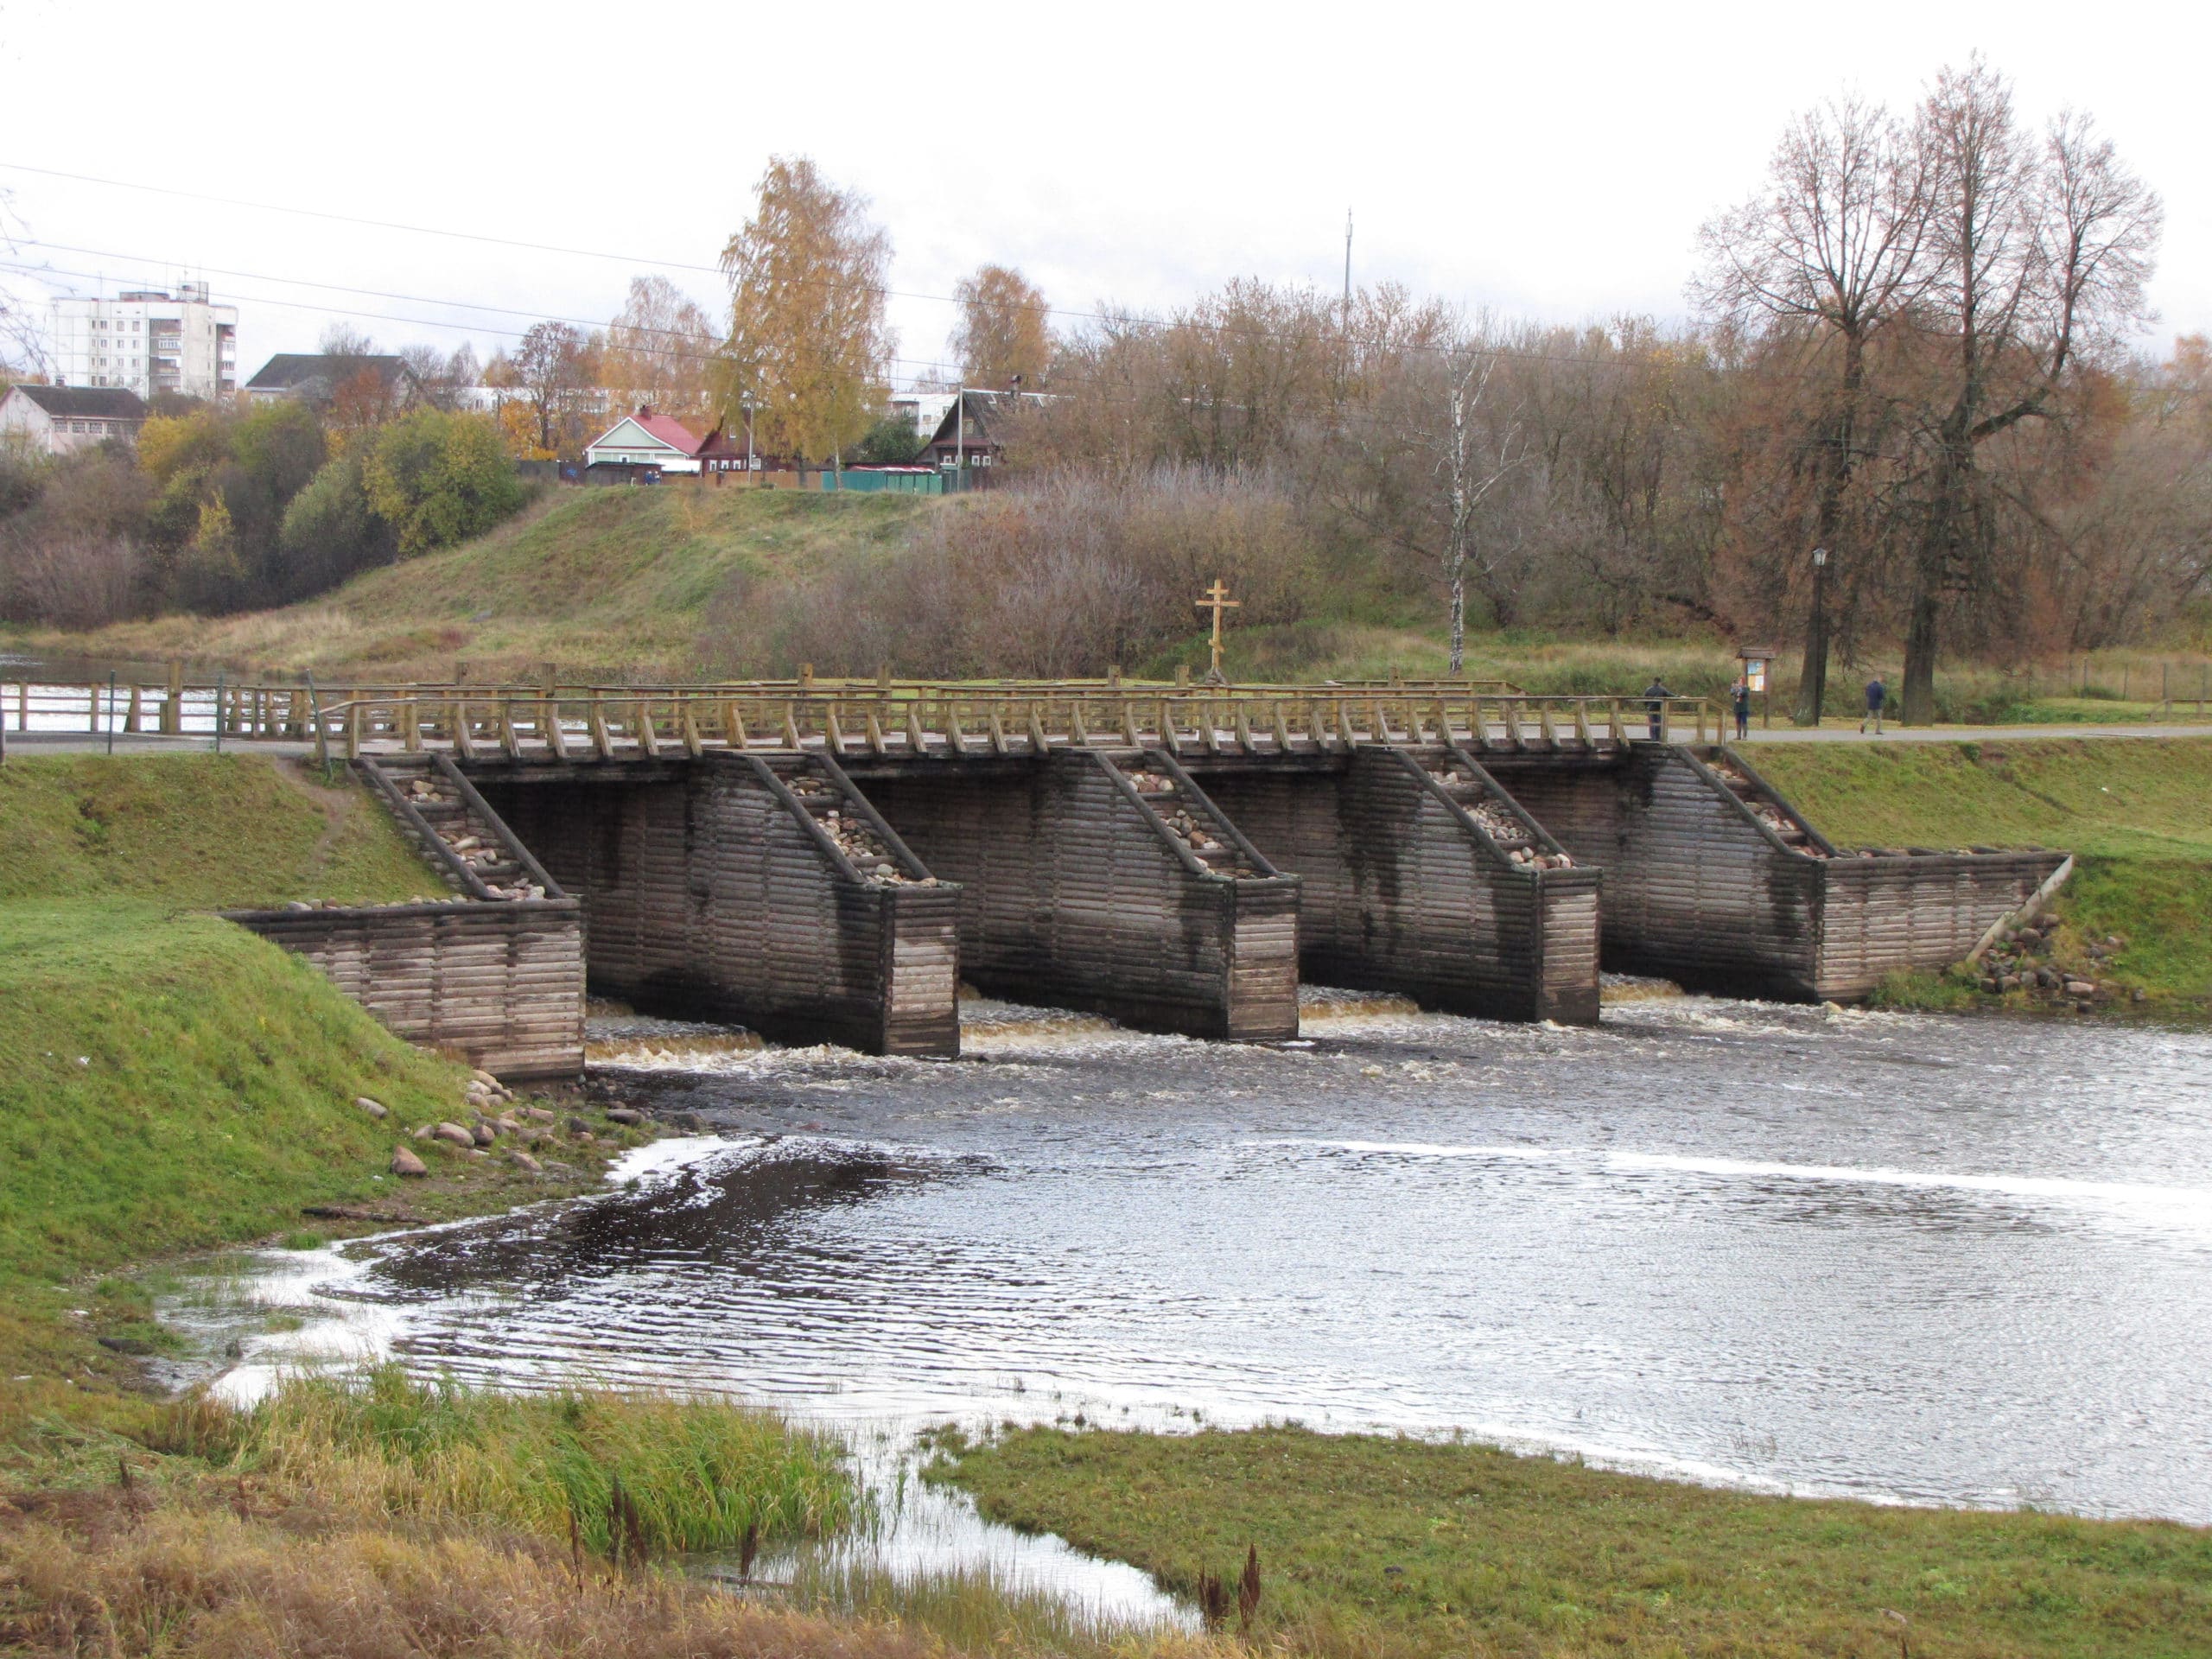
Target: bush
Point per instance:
(438, 479)
(1057, 577)
(331, 531)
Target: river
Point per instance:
(1895, 1256)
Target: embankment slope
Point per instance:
(2136, 812)
(169, 1080)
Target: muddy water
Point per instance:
(1963, 1261)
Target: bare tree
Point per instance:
(660, 349)
(1830, 251)
(552, 368)
(2040, 252)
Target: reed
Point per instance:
(975, 1609)
(633, 1474)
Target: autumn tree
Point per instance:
(1001, 339)
(1825, 257)
(660, 350)
(808, 344)
(2039, 249)
(553, 370)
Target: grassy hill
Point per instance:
(630, 582)
(594, 579)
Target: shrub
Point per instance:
(438, 479)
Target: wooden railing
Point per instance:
(271, 708)
(473, 722)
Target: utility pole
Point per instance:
(960, 436)
(1813, 684)
(1346, 326)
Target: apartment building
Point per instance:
(148, 340)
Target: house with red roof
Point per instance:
(646, 438)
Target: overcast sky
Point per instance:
(1548, 161)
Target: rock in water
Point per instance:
(405, 1162)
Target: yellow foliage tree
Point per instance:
(808, 343)
(1001, 337)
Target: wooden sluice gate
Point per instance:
(760, 892)
(495, 975)
(1422, 876)
(1107, 882)
(828, 863)
(1714, 880)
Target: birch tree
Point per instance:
(1001, 337)
(809, 346)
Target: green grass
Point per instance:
(166, 1082)
(166, 1079)
(231, 831)
(1380, 1546)
(701, 1474)
(2137, 812)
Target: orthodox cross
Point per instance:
(1217, 599)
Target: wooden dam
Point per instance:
(831, 862)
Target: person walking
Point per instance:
(1654, 706)
(1877, 694)
(1739, 699)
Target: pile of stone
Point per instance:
(1780, 824)
(493, 1117)
(1514, 838)
(855, 837)
(2021, 960)
(503, 876)
(1200, 835)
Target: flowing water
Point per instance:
(1905, 1258)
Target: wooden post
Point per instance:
(173, 704)
(130, 721)
(353, 729)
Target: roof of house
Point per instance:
(104, 403)
(287, 370)
(972, 431)
(661, 427)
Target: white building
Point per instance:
(148, 341)
(58, 419)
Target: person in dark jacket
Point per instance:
(1654, 706)
(1739, 699)
(1877, 694)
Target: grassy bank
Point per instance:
(168, 1081)
(1385, 1547)
(2134, 812)
(381, 1516)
